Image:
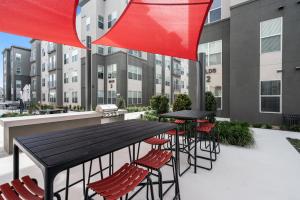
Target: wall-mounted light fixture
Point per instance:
(297, 68)
(298, 2)
(281, 8)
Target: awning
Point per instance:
(167, 27)
(50, 20)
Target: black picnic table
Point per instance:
(188, 115)
(57, 151)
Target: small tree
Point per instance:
(182, 102)
(121, 103)
(160, 104)
(210, 102)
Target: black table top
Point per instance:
(187, 114)
(69, 148)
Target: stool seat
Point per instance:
(206, 128)
(178, 121)
(26, 189)
(202, 121)
(155, 159)
(173, 132)
(119, 183)
(156, 141)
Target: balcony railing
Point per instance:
(32, 58)
(51, 48)
(51, 67)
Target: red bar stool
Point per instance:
(154, 160)
(120, 183)
(24, 189)
(184, 142)
(206, 133)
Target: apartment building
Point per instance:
(35, 70)
(136, 76)
(252, 61)
(51, 73)
(16, 71)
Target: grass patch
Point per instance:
(295, 143)
(235, 133)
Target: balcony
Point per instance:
(51, 48)
(51, 67)
(32, 58)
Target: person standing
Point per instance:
(21, 106)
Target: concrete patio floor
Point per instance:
(267, 171)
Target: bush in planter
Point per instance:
(268, 126)
(182, 102)
(160, 104)
(210, 102)
(235, 133)
(121, 103)
(258, 125)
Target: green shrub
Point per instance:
(294, 128)
(210, 102)
(235, 133)
(13, 114)
(258, 125)
(131, 109)
(160, 104)
(268, 126)
(121, 103)
(182, 102)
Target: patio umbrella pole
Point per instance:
(200, 80)
(88, 71)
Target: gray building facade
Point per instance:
(16, 71)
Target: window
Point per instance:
(74, 56)
(112, 18)
(66, 78)
(109, 50)
(43, 97)
(213, 62)
(100, 22)
(43, 67)
(52, 97)
(100, 72)
(112, 71)
(270, 33)
(66, 98)
(18, 70)
(135, 53)
(18, 84)
(214, 12)
(74, 97)
(100, 97)
(43, 82)
(43, 54)
(52, 80)
(111, 97)
(270, 96)
(158, 78)
(66, 59)
(134, 72)
(167, 81)
(134, 97)
(100, 50)
(88, 23)
(52, 63)
(74, 77)
(18, 58)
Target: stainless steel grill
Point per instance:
(108, 110)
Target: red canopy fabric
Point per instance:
(167, 27)
(51, 20)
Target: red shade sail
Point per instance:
(167, 27)
(51, 20)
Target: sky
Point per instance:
(7, 40)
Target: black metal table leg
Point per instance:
(48, 185)
(16, 162)
(176, 165)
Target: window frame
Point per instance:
(273, 35)
(280, 96)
